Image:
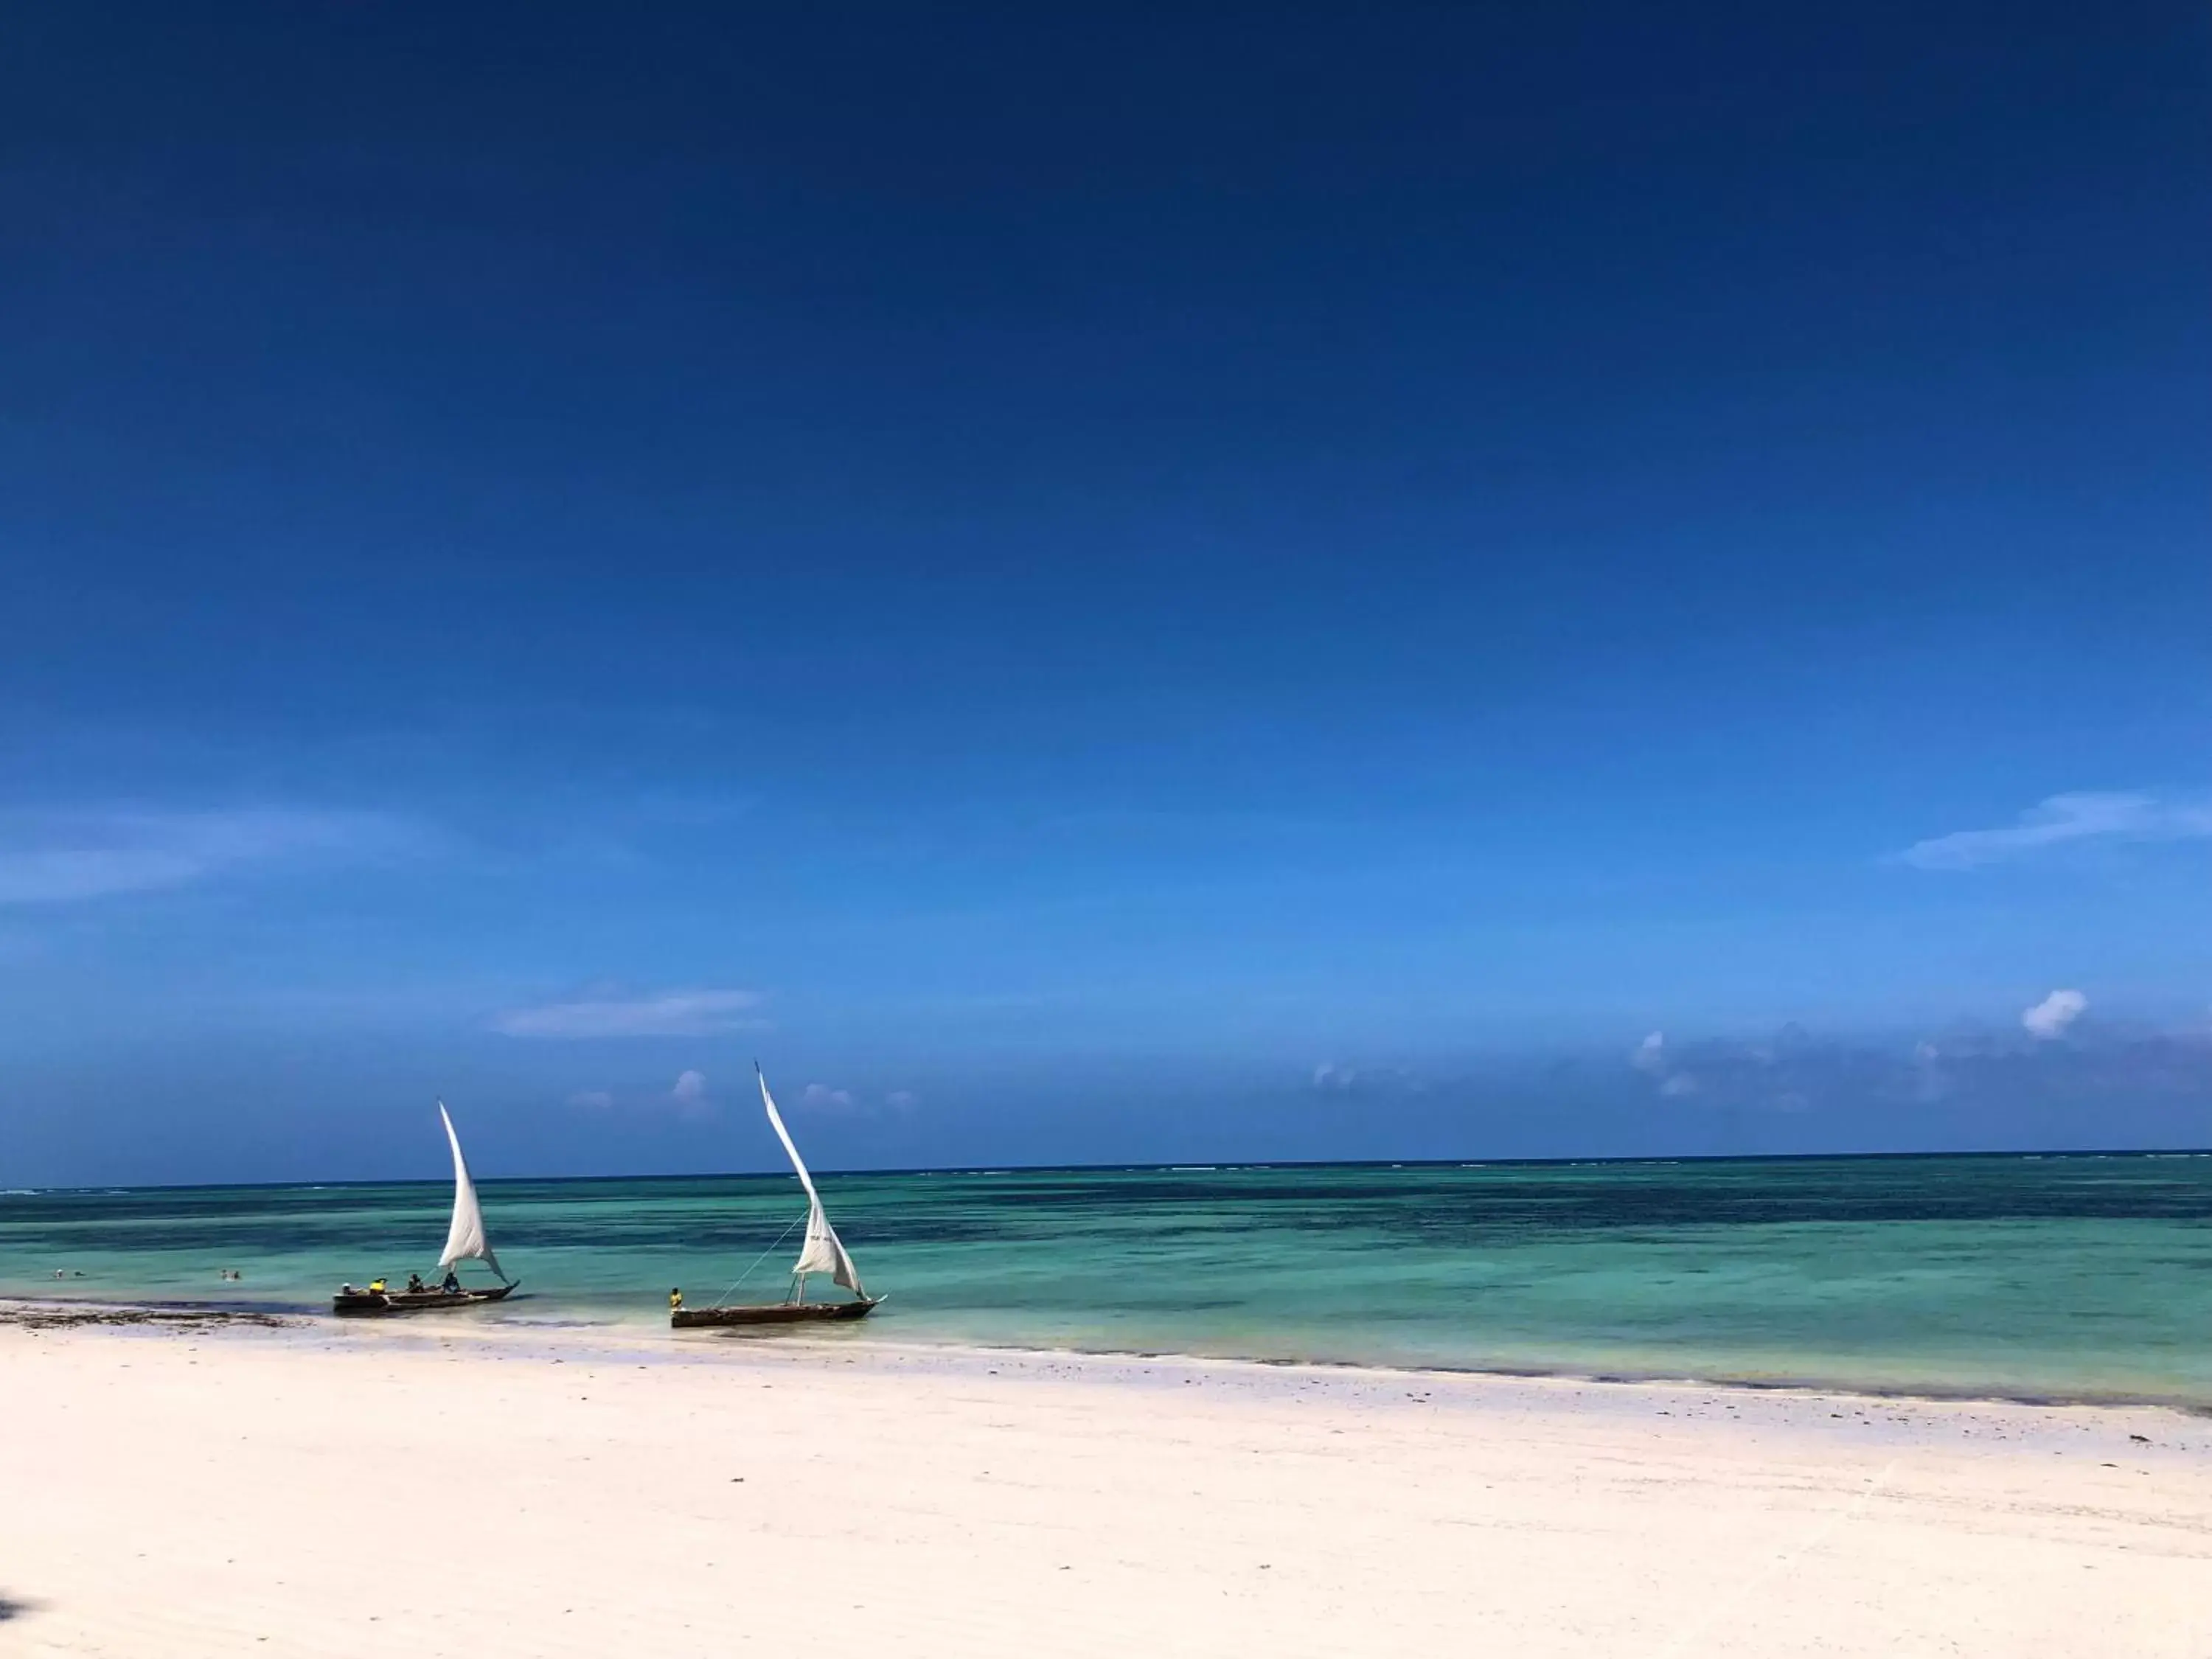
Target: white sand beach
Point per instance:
(171, 1494)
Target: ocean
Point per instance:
(2073, 1277)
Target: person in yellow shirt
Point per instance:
(675, 1300)
(377, 1285)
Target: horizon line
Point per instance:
(1224, 1166)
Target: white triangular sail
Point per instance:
(464, 1239)
(824, 1251)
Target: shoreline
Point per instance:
(632, 1337)
(2047, 1281)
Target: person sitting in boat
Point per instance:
(376, 1287)
(452, 1286)
(414, 1285)
(675, 1300)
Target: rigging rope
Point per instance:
(757, 1260)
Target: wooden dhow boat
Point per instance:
(823, 1252)
(465, 1242)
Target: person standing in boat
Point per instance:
(675, 1299)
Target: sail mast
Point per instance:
(464, 1239)
(824, 1251)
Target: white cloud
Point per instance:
(660, 1013)
(61, 858)
(2050, 1016)
(1651, 1057)
(691, 1087)
(1368, 1080)
(821, 1097)
(2061, 819)
(1965, 1068)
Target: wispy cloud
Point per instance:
(1332, 1079)
(821, 1097)
(1650, 1056)
(2060, 819)
(691, 1098)
(2004, 1072)
(2050, 1016)
(1792, 1072)
(657, 1013)
(66, 857)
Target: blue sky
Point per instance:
(1100, 583)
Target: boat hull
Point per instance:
(370, 1304)
(774, 1313)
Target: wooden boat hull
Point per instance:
(774, 1313)
(375, 1303)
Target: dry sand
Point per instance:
(172, 1493)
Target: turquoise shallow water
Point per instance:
(2084, 1277)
